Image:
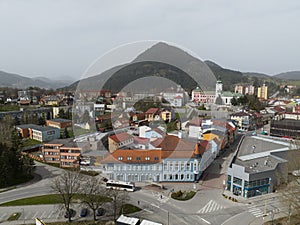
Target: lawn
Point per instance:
(128, 209)
(44, 199)
(183, 196)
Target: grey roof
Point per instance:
(60, 120)
(257, 146)
(68, 142)
(261, 164)
(36, 127)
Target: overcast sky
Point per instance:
(62, 38)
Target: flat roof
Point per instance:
(128, 220)
(261, 164)
(60, 120)
(260, 146)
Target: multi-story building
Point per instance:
(119, 140)
(39, 133)
(175, 160)
(62, 151)
(285, 128)
(262, 92)
(244, 120)
(249, 90)
(239, 89)
(59, 123)
(260, 168)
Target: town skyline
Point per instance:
(63, 39)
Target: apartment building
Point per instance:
(64, 152)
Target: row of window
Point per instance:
(129, 158)
(257, 183)
(178, 177)
(135, 168)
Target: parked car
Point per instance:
(83, 212)
(70, 212)
(100, 212)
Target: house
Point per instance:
(244, 120)
(141, 143)
(59, 123)
(166, 115)
(152, 114)
(64, 152)
(195, 127)
(39, 133)
(119, 140)
(50, 100)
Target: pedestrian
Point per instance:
(138, 202)
(160, 196)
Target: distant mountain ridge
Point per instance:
(18, 81)
(292, 75)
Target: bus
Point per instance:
(120, 185)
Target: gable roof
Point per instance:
(152, 110)
(120, 137)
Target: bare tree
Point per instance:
(119, 198)
(67, 186)
(290, 194)
(94, 195)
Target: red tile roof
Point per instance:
(152, 110)
(133, 156)
(141, 140)
(120, 137)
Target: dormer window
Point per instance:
(120, 158)
(129, 158)
(147, 158)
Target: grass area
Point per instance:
(30, 142)
(128, 209)
(45, 199)
(183, 196)
(6, 108)
(19, 179)
(14, 216)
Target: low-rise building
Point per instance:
(259, 169)
(119, 140)
(59, 123)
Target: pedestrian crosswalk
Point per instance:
(211, 206)
(256, 211)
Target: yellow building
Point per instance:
(262, 92)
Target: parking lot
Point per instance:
(43, 212)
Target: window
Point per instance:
(156, 158)
(237, 180)
(138, 158)
(147, 158)
(129, 158)
(120, 158)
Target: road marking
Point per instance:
(256, 212)
(204, 220)
(42, 216)
(147, 210)
(155, 205)
(211, 206)
(50, 215)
